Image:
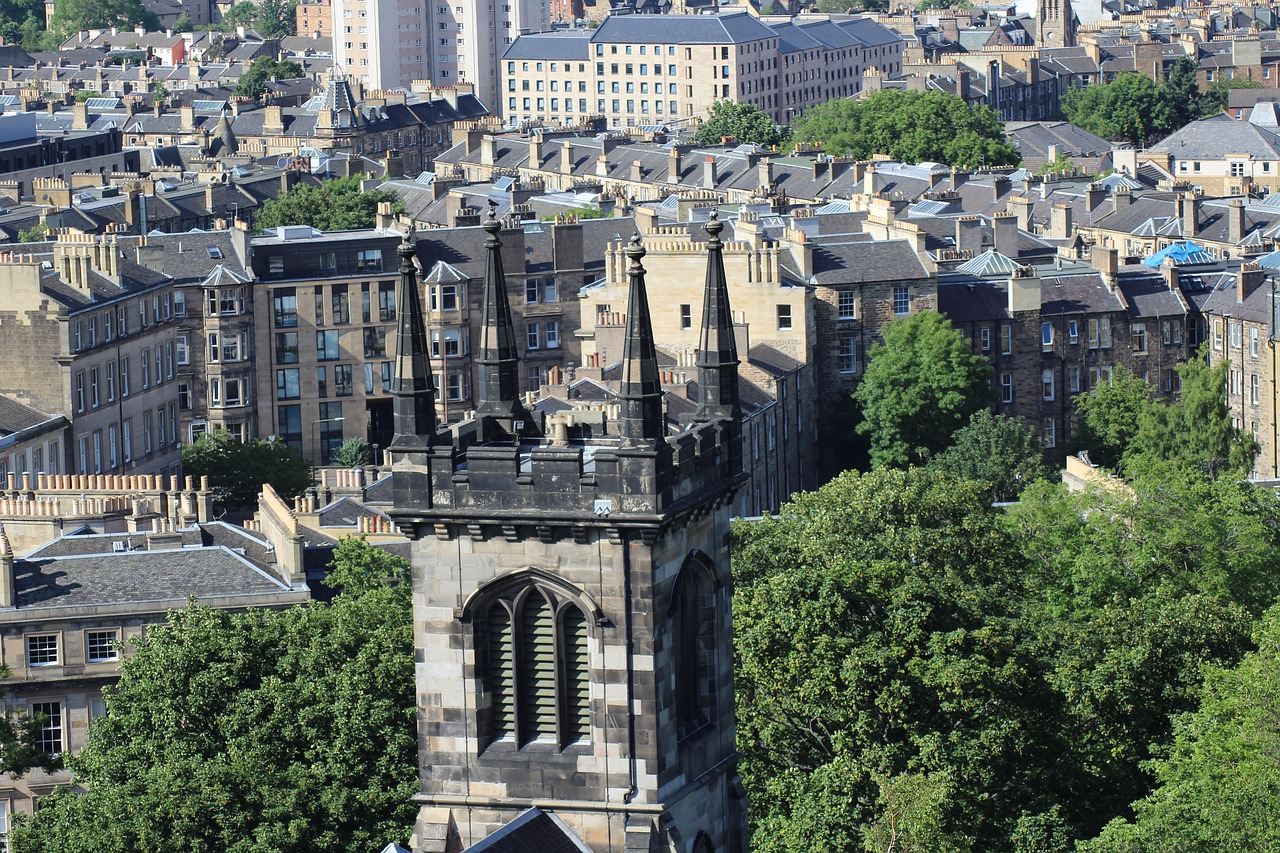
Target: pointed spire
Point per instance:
(717, 348)
(641, 419)
(498, 360)
(414, 393)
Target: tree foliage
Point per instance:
(270, 732)
(741, 120)
(1220, 785)
(911, 127)
(1130, 107)
(1001, 451)
(253, 83)
(921, 385)
(353, 453)
(336, 205)
(71, 16)
(876, 636)
(917, 670)
(1107, 417)
(237, 470)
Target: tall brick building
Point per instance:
(571, 594)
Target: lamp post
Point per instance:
(315, 440)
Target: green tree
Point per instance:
(1001, 451)
(744, 121)
(1130, 107)
(184, 24)
(1059, 165)
(352, 453)
(582, 211)
(1107, 417)
(71, 16)
(256, 732)
(1181, 92)
(237, 470)
(921, 385)
(913, 809)
(911, 127)
(253, 83)
(242, 14)
(1196, 431)
(877, 634)
(336, 205)
(37, 233)
(1220, 785)
(275, 18)
(1215, 98)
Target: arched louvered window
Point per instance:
(500, 672)
(575, 711)
(537, 676)
(536, 670)
(703, 844)
(695, 645)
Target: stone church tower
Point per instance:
(1055, 24)
(572, 593)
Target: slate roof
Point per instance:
(1209, 138)
(735, 28)
(140, 577)
(970, 299)
(15, 416)
(563, 45)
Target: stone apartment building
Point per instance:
(1240, 319)
(638, 70)
(90, 334)
(325, 350)
(89, 563)
(27, 433)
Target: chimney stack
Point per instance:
(709, 173)
(1235, 221)
(1060, 221)
(1248, 280)
(1004, 229)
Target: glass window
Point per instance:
(100, 646)
(342, 386)
(327, 348)
(369, 260)
(784, 317)
(1046, 336)
(286, 347)
(901, 300)
(49, 736)
(848, 354)
(288, 383)
(286, 309)
(42, 649)
(1139, 334)
(341, 309)
(848, 305)
(1006, 387)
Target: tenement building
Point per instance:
(571, 593)
(641, 70)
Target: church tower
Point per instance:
(1055, 24)
(571, 594)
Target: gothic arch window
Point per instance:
(702, 844)
(532, 644)
(694, 623)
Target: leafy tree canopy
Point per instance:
(352, 453)
(1220, 785)
(876, 636)
(1059, 165)
(257, 732)
(741, 120)
(253, 83)
(996, 449)
(1130, 107)
(921, 385)
(237, 470)
(1107, 417)
(336, 205)
(72, 15)
(911, 127)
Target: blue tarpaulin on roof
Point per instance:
(1181, 253)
